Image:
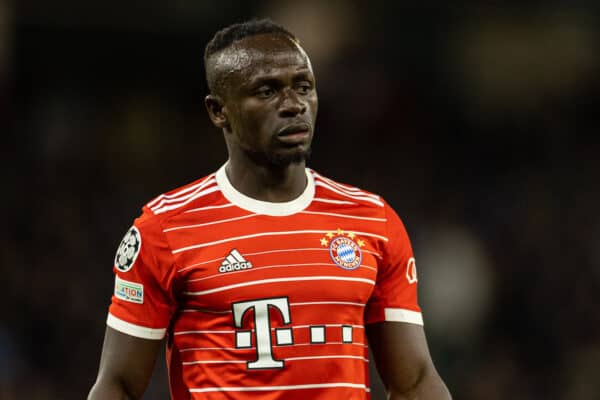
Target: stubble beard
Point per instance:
(283, 160)
(279, 160)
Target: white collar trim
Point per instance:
(266, 207)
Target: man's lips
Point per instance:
(294, 134)
(295, 129)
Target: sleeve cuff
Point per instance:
(403, 315)
(135, 330)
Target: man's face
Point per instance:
(270, 100)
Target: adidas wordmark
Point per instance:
(234, 262)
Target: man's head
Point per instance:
(262, 92)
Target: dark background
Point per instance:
(479, 124)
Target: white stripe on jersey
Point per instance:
(320, 357)
(209, 223)
(284, 359)
(287, 387)
(180, 196)
(206, 311)
(178, 193)
(272, 266)
(196, 246)
(344, 216)
(322, 344)
(333, 201)
(213, 362)
(219, 348)
(195, 332)
(310, 303)
(209, 207)
(346, 188)
(273, 344)
(306, 303)
(327, 325)
(274, 251)
(292, 279)
(194, 197)
(254, 215)
(352, 196)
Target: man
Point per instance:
(266, 277)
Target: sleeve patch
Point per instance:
(128, 250)
(129, 291)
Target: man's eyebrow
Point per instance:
(267, 77)
(262, 80)
(304, 74)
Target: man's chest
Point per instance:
(302, 265)
(276, 291)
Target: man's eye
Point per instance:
(304, 89)
(264, 92)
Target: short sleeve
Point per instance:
(394, 297)
(143, 302)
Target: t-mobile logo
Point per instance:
(262, 330)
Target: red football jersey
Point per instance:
(264, 300)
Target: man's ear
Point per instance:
(216, 111)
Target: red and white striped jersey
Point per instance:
(264, 300)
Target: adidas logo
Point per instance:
(234, 262)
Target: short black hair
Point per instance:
(234, 33)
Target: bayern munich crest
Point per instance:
(345, 252)
(128, 250)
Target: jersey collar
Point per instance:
(265, 207)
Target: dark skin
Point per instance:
(266, 108)
(267, 112)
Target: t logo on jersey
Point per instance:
(262, 330)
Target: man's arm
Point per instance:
(404, 363)
(126, 366)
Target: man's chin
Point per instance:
(281, 158)
(292, 157)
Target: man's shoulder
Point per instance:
(181, 199)
(333, 190)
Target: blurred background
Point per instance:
(478, 123)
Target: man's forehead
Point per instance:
(261, 52)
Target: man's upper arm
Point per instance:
(126, 366)
(140, 312)
(404, 363)
(394, 322)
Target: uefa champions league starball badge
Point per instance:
(343, 249)
(128, 250)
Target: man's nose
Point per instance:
(292, 104)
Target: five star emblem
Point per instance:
(340, 232)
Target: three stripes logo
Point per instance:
(234, 262)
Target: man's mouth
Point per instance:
(294, 129)
(294, 134)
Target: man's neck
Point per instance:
(268, 183)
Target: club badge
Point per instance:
(344, 248)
